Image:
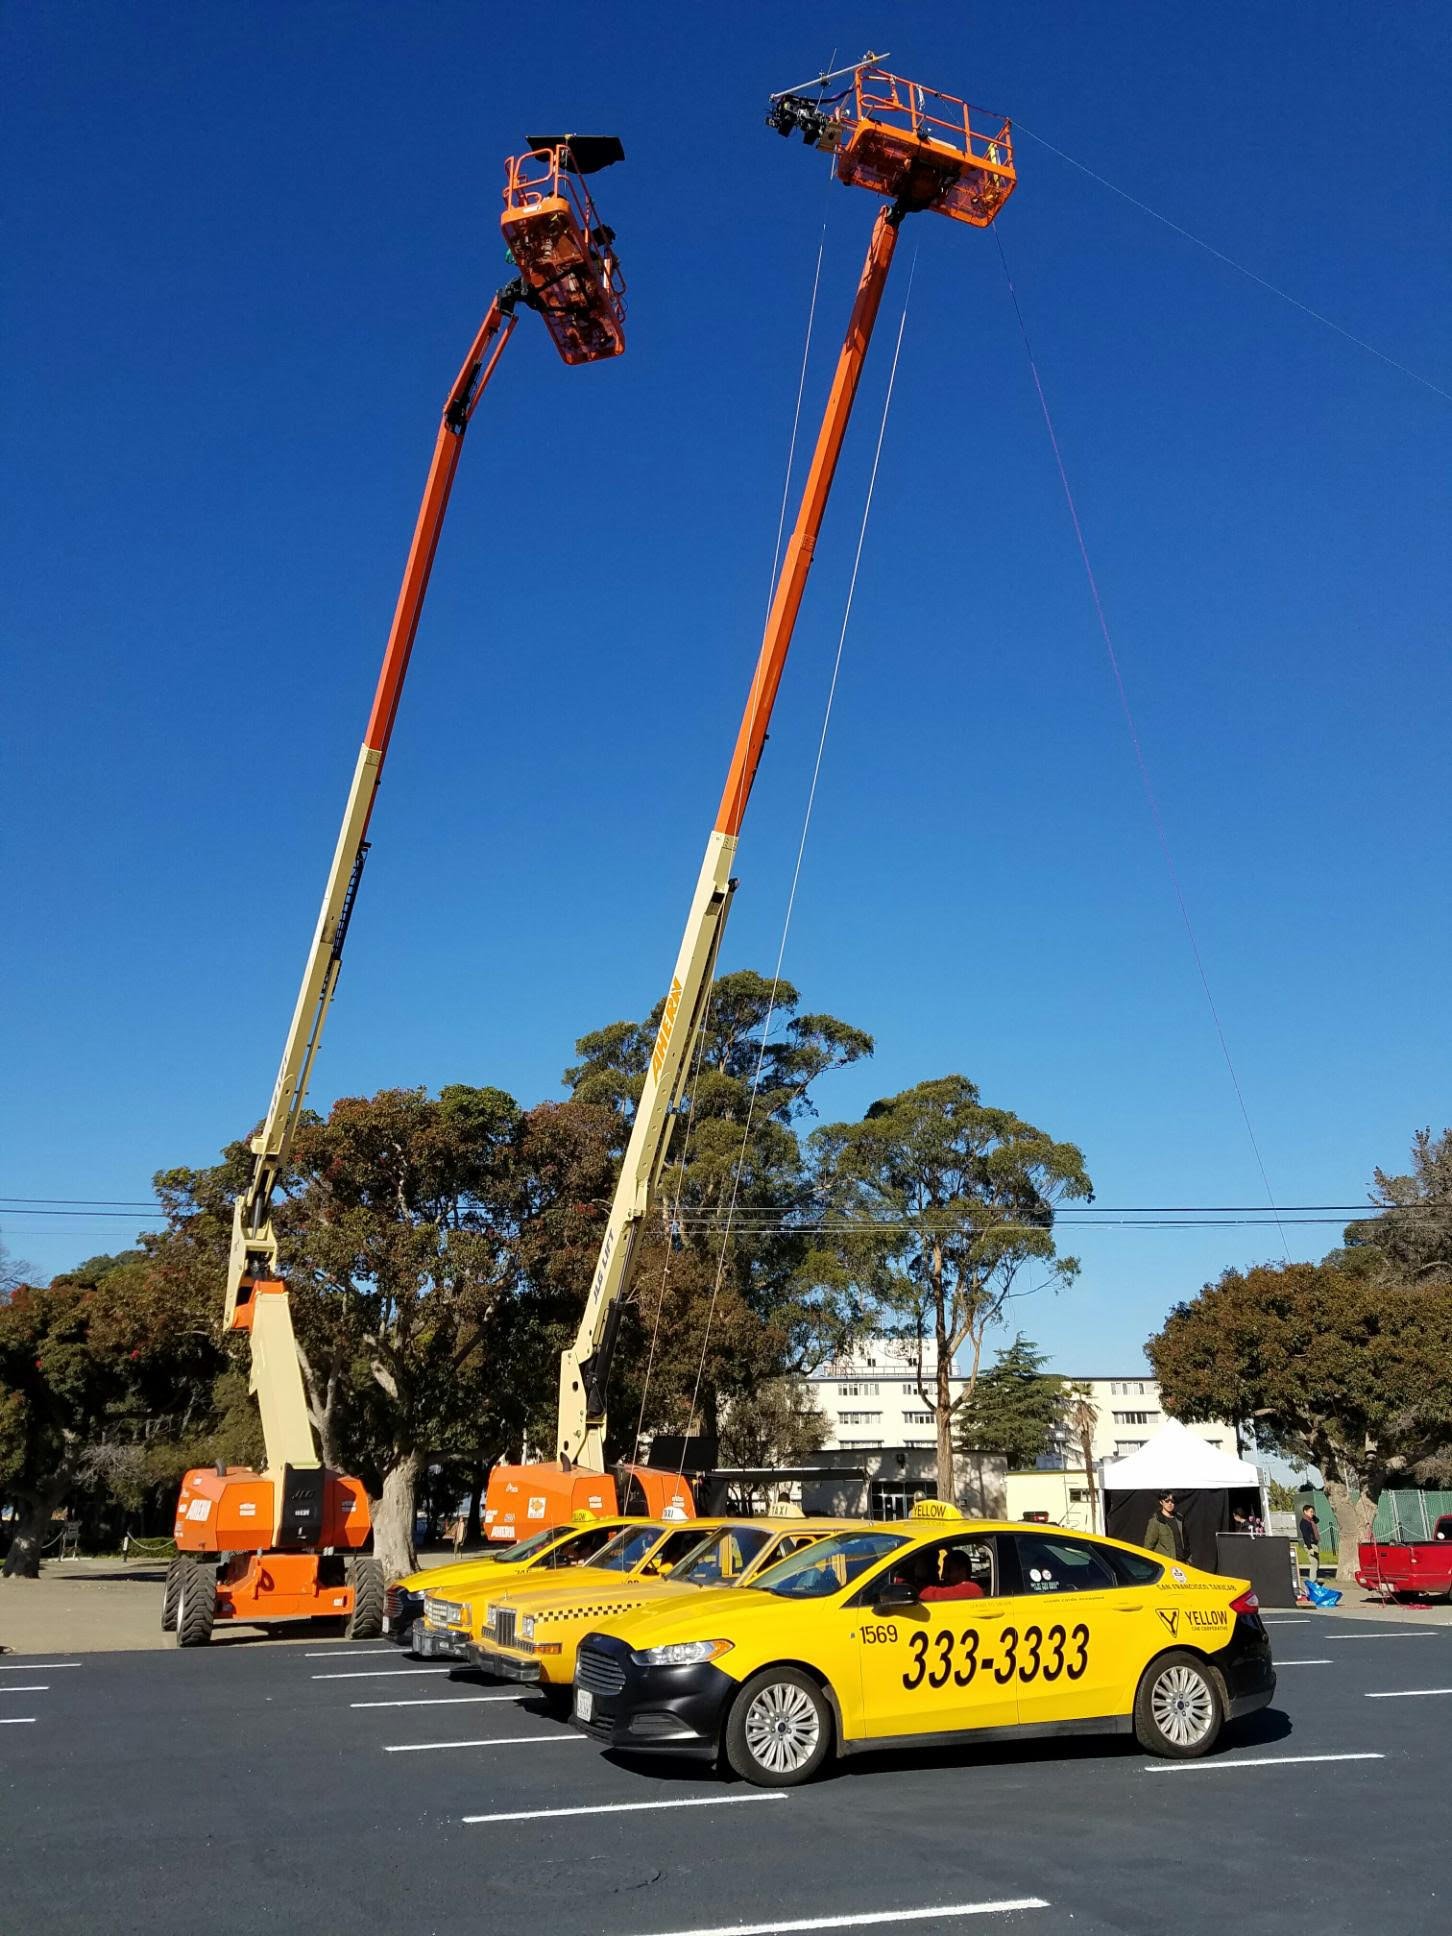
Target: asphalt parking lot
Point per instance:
(321, 1784)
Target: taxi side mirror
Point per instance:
(894, 1593)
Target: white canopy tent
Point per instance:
(1176, 1460)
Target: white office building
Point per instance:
(876, 1417)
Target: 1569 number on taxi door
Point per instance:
(1031, 1655)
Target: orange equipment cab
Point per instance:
(521, 1499)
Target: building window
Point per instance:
(917, 1418)
(857, 1391)
(1133, 1418)
(859, 1418)
(1123, 1447)
(1078, 1495)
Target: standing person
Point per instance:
(1166, 1530)
(1308, 1531)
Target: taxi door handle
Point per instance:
(1128, 1606)
(1000, 1615)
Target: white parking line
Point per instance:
(1305, 1621)
(1303, 1663)
(441, 1700)
(630, 1808)
(37, 1666)
(1409, 1694)
(28, 1720)
(871, 1919)
(37, 1687)
(1422, 1633)
(1255, 1761)
(381, 1673)
(351, 1653)
(497, 1741)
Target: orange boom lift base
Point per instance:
(924, 151)
(286, 1543)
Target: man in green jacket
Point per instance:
(1166, 1531)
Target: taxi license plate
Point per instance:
(584, 1704)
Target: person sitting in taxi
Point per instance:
(957, 1584)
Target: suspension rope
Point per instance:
(1151, 797)
(755, 1090)
(1231, 263)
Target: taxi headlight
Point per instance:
(526, 1627)
(491, 1618)
(682, 1653)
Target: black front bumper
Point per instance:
(1246, 1664)
(504, 1667)
(649, 1710)
(400, 1610)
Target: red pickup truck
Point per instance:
(1416, 1568)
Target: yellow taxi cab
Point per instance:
(938, 1629)
(530, 1633)
(439, 1634)
(639, 1549)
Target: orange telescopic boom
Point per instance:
(924, 151)
(288, 1527)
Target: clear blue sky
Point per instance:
(246, 248)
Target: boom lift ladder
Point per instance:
(292, 1534)
(925, 151)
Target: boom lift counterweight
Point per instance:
(292, 1534)
(924, 151)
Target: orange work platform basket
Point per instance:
(921, 148)
(564, 255)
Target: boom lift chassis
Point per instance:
(924, 151)
(285, 1543)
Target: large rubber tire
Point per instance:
(365, 1576)
(196, 1606)
(170, 1593)
(779, 1730)
(1179, 1707)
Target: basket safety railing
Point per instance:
(927, 114)
(541, 175)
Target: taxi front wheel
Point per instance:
(1179, 1708)
(779, 1731)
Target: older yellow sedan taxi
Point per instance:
(934, 1630)
(424, 1611)
(530, 1632)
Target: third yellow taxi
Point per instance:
(934, 1630)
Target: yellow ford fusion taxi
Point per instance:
(531, 1631)
(933, 1630)
(423, 1610)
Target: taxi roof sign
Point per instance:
(935, 1509)
(582, 1516)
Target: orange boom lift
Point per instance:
(285, 1543)
(923, 151)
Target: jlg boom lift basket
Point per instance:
(924, 151)
(292, 1534)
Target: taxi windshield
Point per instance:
(828, 1566)
(721, 1559)
(628, 1549)
(524, 1549)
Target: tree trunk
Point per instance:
(1355, 1518)
(32, 1530)
(480, 1476)
(944, 1409)
(393, 1518)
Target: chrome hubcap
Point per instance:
(1183, 1706)
(782, 1728)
